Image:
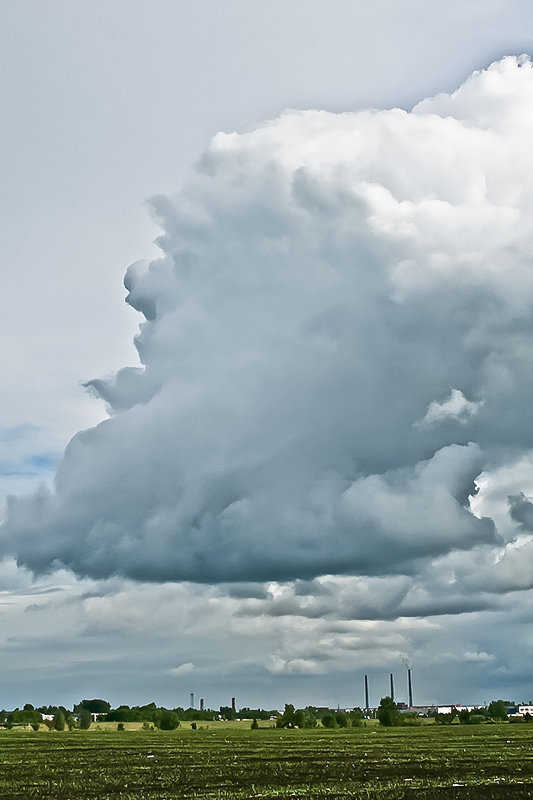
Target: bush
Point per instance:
(120, 726)
(169, 721)
(444, 719)
(35, 726)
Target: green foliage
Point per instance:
(299, 718)
(356, 717)
(35, 726)
(497, 710)
(445, 719)
(467, 717)
(95, 706)
(288, 718)
(120, 726)
(253, 713)
(152, 713)
(388, 713)
(59, 721)
(342, 720)
(255, 725)
(26, 716)
(328, 721)
(169, 721)
(411, 719)
(85, 719)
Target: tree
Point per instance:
(299, 718)
(310, 718)
(388, 713)
(328, 721)
(254, 726)
(356, 716)
(95, 706)
(341, 719)
(59, 721)
(498, 710)
(227, 712)
(85, 719)
(287, 719)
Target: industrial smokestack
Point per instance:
(392, 686)
(410, 686)
(233, 704)
(201, 704)
(367, 706)
(192, 699)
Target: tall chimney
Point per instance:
(192, 699)
(367, 706)
(233, 704)
(391, 686)
(201, 704)
(410, 685)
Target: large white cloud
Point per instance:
(324, 281)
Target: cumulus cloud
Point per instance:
(473, 656)
(324, 280)
(455, 407)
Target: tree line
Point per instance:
(84, 713)
(390, 715)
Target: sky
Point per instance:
(301, 451)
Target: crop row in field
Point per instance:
(490, 762)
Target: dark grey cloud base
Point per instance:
(336, 345)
